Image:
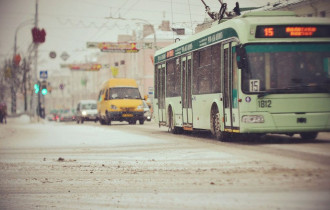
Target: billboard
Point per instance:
(115, 47)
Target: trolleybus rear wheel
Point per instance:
(173, 129)
(308, 135)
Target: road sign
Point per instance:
(65, 56)
(43, 74)
(52, 54)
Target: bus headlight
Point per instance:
(253, 119)
(113, 107)
(84, 113)
(139, 107)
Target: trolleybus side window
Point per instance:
(189, 83)
(177, 77)
(216, 70)
(235, 82)
(170, 78)
(195, 73)
(184, 85)
(207, 71)
(155, 83)
(161, 80)
(157, 73)
(173, 76)
(203, 71)
(226, 77)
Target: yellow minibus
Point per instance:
(120, 100)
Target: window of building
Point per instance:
(323, 14)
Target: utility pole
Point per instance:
(35, 75)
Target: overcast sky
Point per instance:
(69, 24)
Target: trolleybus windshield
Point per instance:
(287, 68)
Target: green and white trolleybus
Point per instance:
(262, 72)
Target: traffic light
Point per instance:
(36, 88)
(16, 59)
(44, 90)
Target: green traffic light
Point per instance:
(44, 91)
(36, 88)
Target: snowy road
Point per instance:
(68, 166)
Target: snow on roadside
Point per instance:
(20, 132)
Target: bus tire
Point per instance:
(107, 119)
(141, 121)
(308, 135)
(173, 129)
(216, 125)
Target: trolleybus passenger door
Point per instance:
(161, 93)
(230, 89)
(186, 92)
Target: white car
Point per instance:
(86, 111)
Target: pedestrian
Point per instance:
(3, 112)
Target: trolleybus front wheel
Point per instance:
(216, 126)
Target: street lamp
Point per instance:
(25, 23)
(143, 20)
(16, 60)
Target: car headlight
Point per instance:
(113, 107)
(139, 107)
(84, 113)
(253, 119)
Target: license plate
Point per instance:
(127, 115)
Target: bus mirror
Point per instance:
(240, 56)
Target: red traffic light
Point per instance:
(17, 59)
(39, 36)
